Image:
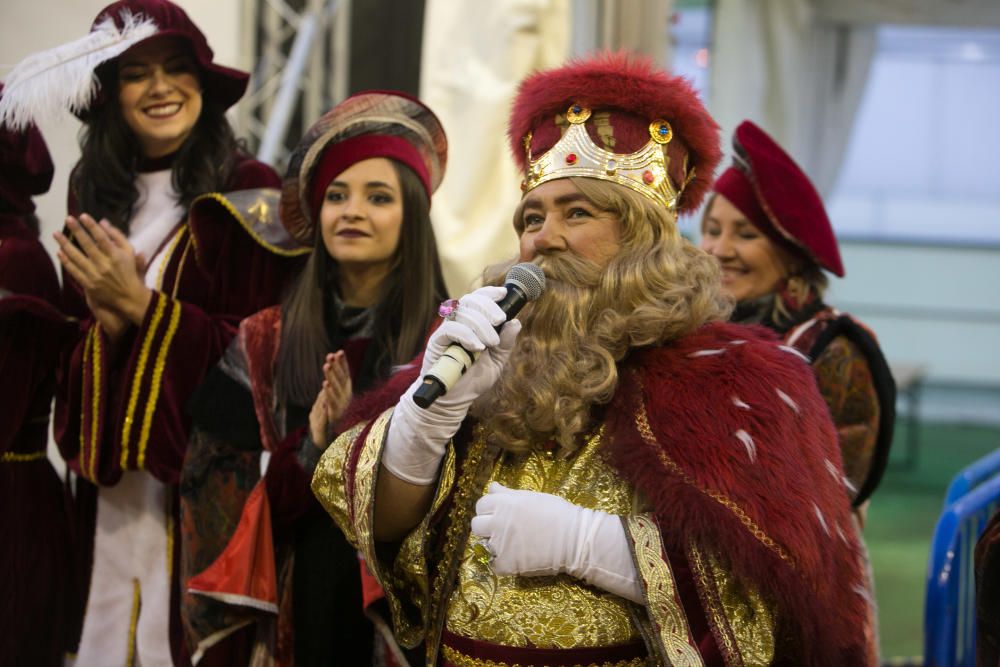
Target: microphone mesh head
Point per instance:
(528, 277)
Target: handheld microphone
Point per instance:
(524, 282)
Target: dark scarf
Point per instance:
(780, 310)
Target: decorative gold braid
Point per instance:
(327, 482)
(364, 483)
(642, 425)
(709, 591)
(742, 619)
(155, 386)
(459, 525)
(19, 457)
(233, 211)
(95, 360)
(140, 373)
(661, 592)
(461, 660)
(83, 410)
(133, 622)
(168, 508)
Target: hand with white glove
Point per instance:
(535, 534)
(418, 436)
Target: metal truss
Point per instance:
(300, 69)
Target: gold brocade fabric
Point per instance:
(743, 617)
(545, 612)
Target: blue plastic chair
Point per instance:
(972, 476)
(950, 610)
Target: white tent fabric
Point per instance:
(799, 77)
(474, 55)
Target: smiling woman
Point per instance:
(160, 94)
(158, 296)
(767, 226)
(357, 191)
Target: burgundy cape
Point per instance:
(36, 610)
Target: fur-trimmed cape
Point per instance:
(741, 459)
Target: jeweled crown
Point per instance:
(645, 171)
(616, 117)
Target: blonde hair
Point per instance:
(659, 287)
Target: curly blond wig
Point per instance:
(659, 287)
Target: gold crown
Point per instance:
(644, 171)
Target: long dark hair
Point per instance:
(103, 181)
(403, 314)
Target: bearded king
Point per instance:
(621, 478)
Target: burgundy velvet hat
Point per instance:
(616, 117)
(373, 123)
(70, 76)
(224, 84)
(25, 167)
(767, 186)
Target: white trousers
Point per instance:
(127, 621)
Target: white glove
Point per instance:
(533, 534)
(418, 436)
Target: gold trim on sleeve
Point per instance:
(87, 341)
(139, 375)
(364, 486)
(154, 390)
(660, 591)
(95, 371)
(328, 480)
(20, 457)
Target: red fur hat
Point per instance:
(768, 187)
(625, 94)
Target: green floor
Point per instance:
(901, 522)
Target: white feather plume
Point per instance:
(64, 77)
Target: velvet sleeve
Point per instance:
(123, 406)
(132, 397)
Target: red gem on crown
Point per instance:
(571, 158)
